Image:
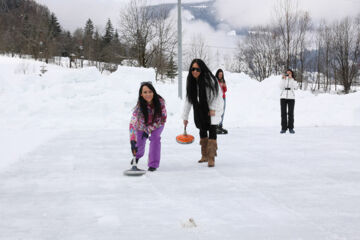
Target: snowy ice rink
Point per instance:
(64, 146)
(264, 186)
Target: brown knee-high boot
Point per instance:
(212, 147)
(204, 153)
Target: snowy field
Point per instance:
(65, 145)
(72, 187)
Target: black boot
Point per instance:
(219, 130)
(224, 131)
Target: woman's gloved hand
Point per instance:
(145, 135)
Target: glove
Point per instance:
(133, 147)
(145, 135)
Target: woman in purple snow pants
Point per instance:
(148, 119)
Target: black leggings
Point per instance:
(212, 132)
(287, 110)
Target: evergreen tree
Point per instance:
(109, 33)
(88, 40)
(172, 68)
(97, 46)
(89, 29)
(54, 26)
(67, 45)
(116, 37)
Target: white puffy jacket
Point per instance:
(287, 86)
(216, 104)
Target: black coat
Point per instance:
(201, 108)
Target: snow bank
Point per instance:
(251, 103)
(83, 98)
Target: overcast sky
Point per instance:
(244, 13)
(74, 13)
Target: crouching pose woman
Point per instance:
(148, 119)
(203, 94)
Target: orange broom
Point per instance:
(185, 138)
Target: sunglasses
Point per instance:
(196, 69)
(148, 82)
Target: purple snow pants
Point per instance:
(155, 146)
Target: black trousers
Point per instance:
(212, 132)
(287, 109)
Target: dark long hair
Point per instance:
(143, 104)
(292, 73)
(206, 80)
(217, 75)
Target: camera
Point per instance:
(286, 75)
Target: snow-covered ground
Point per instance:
(64, 144)
(17, 143)
(264, 186)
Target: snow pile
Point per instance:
(83, 98)
(251, 103)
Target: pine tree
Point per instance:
(172, 68)
(54, 26)
(89, 29)
(109, 33)
(97, 46)
(116, 37)
(88, 40)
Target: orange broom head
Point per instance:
(185, 139)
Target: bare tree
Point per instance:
(197, 49)
(303, 27)
(164, 43)
(357, 29)
(137, 29)
(319, 57)
(286, 21)
(259, 52)
(239, 64)
(346, 51)
(292, 27)
(323, 58)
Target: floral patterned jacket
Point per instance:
(137, 122)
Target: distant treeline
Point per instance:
(325, 54)
(28, 28)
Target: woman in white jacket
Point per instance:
(203, 94)
(287, 101)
